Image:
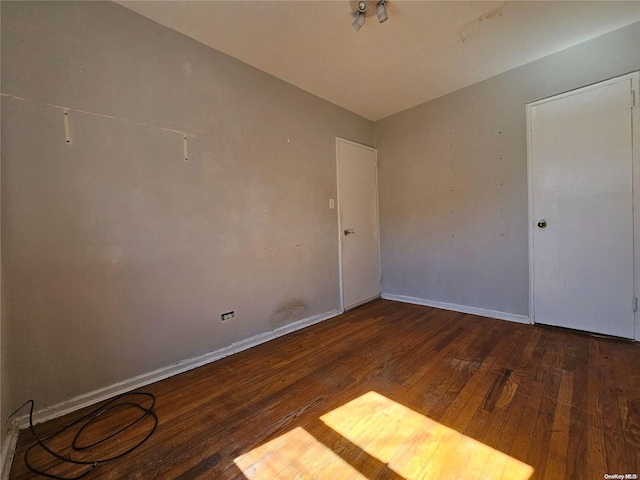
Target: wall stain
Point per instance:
(288, 312)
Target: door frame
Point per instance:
(338, 200)
(635, 146)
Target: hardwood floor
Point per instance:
(389, 391)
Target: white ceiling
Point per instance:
(425, 50)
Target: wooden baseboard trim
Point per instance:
(512, 317)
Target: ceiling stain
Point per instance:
(471, 28)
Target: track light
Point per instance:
(360, 11)
(382, 11)
(360, 15)
(359, 21)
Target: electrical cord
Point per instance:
(86, 421)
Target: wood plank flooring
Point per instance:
(387, 391)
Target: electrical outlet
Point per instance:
(227, 316)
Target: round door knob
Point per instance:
(542, 223)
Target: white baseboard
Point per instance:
(8, 450)
(90, 398)
(361, 302)
(512, 317)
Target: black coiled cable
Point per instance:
(86, 421)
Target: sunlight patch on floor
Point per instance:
(296, 454)
(408, 443)
(417, 447)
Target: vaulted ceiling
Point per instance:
(425, 50)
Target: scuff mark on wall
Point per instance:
(109, 255)
(288, 312)
(187, 68)
(471, 28)
(102, 115)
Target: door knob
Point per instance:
(349, 231)
(542, 223)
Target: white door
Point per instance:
(581, 174)
(358, 223)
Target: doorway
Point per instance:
(583, 170)
(358, 223)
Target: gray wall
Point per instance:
(453, 179)
(119, 256)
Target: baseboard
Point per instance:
(361, 302)
(84, 400)
(9, 450)
(512, 317)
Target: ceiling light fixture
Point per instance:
(361, 11)
(382, 11)
(360, 15)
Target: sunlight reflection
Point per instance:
(410, 444)
(417, 447)
(296, 454)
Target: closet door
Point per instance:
(581, 178)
